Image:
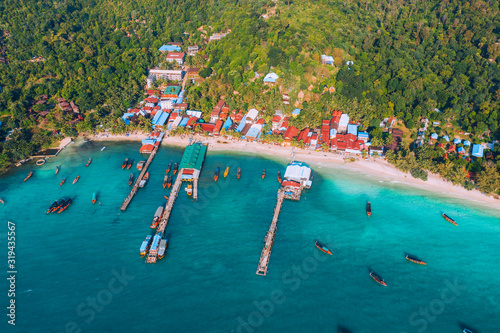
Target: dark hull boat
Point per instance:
(168, 168)
(88, 162)
(216, 175)
(415, 260)
(66, 205)
(238, 173)
(28, 176)
(124, 164)
(129, 164)
(175, 168)
(59, 205)
(449, 219)
(169, 181)
(322, 248)
(279, 177)
(51, 208)
(264, 174)
(378, 278)
(165, 180)
(130, 179)
(368, 209)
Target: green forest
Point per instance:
(411, 59)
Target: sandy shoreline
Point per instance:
(377, 167)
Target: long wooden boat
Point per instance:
(60, 204)
(130, 163)
(263, 173)
(28, 176)
(88, 162)
(165, 181)
(168, 168)
(322, 248)
(216, 175)
(176, 167)
(368, 209)
(165, 197)
(279, 177)
(378, 278)
(226, 172)
(2, 202)
(238, 173)
(145, 245)
(52, 206)
(66, 205)
(449, 219)
(94, 198)
(130, 179)
(62, 181)
(57, 170)
(169, 181)
(415, 260)
(76, 179)
(124, 164)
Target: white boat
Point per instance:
(162, 248)
(103, 148)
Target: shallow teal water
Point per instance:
(207, 280)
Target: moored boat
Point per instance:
(165, 181)
(156, 218)
(263, 173)
(129, 164)
(51, 208)
(162, 248)
(60, 204)
(226, 172)
(76, 179)
(168, 168)
(165, 197)
(62, 181)
(169, 181)
(66, 205)
(449, 219)
(377, 278)
(130, 179)
(28, 176)
(322, 248)
(144, 181)
(189, 190)
(176, 167)
(124, 164)
(94, 198)
(57, 170)
(238, 173)
(146, 243)
(415, 260)
(140, 165)
(103, 148)
(216, 175)
(368, 209)
(466, 330)
(279, 177)
(88, 162)
(2, 202)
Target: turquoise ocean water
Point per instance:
(80, 271)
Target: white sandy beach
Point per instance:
(377, 167)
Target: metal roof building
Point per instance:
(193, 157)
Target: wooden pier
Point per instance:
(195, 189)
(271, 233)
(141, 176)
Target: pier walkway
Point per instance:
(195, 189)
(141, 176)
(269, 239)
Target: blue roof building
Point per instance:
(156, 117)
(434, 136)
(271, 78)
(352, 129)
(184, 121)
(227, 124)
(163, 119)
(241, 125)
(461, 150)
(169, 48)
(466, 143)
(477, 150)
(126, 117)
(363, 136)
(296, 112)
(447, 138)
(457, 141)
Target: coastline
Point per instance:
(373, 167)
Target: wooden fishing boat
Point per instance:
(216, 175)
(189, 190)
(57, 170)
(66, 205)
(52, 206)
(88, 162)
(322, 248)
(168, 168)
(165, 180)
(279, 177)
(76, 179)
(130, 179)
(103, 148)
(415, 260)
(2, 202)
(124, 164)
(129, 164)
(60, 204)
(368, 209)
(176, 167)
(62, 181)
(94, 198)
(238, 173)
(169, 181)
(165, 197)
(449, 219)
(226, 172)
(263, 173)
(28, 176)
(378, 278)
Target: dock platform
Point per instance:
(271, 233)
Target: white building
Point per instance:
(299, 172)
(344, 120)
(157, 73)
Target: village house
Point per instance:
(270, 79)
(157, 73)
(169, 48)
(192, 50)
(193, 72)
(327, 60)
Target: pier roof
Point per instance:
(193, 157)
